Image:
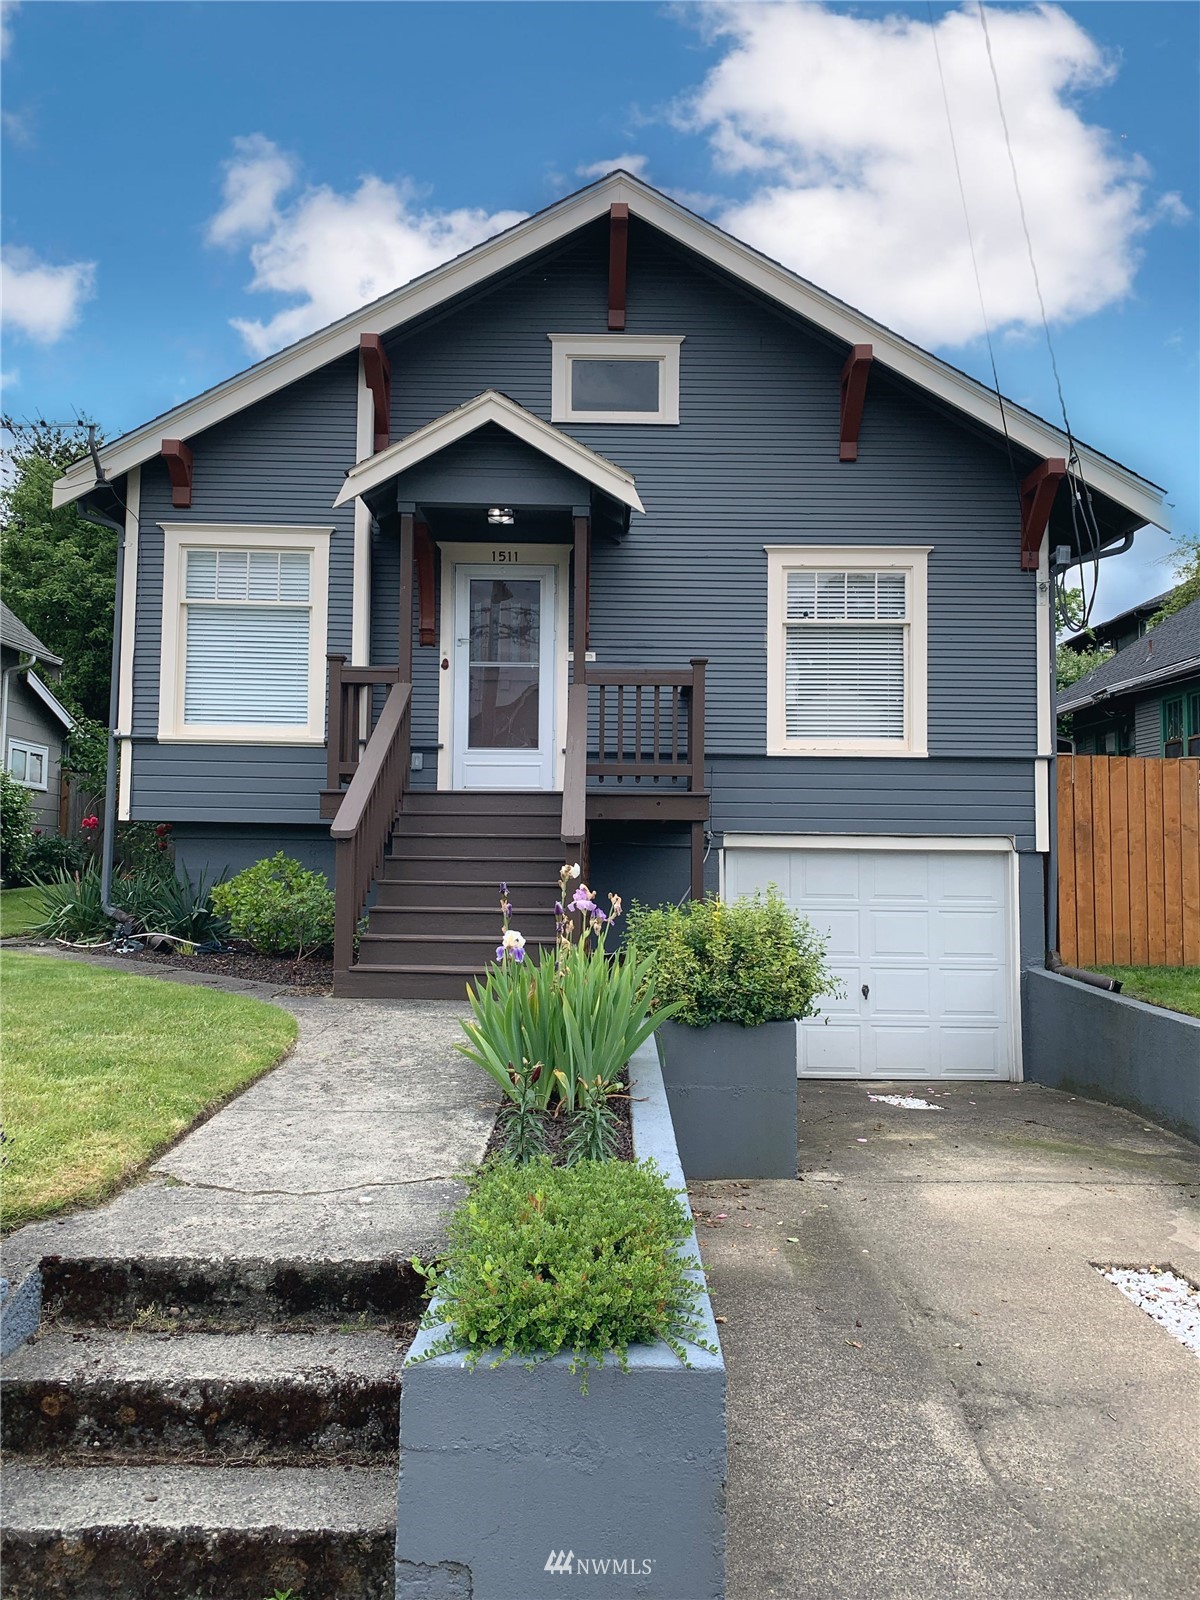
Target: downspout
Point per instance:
(1053, 960)
(108, 843)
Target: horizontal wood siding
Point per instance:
(282, 461)
(29, 722)
(1147, 727)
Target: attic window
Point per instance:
(615, 378)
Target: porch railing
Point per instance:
(367, 812)
(648, 724)
(351, 714)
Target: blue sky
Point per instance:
(160, 160)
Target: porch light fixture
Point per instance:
(501, 516)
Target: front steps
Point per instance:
(435, 920)
(221, 1447)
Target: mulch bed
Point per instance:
(312, 974)
(556, 1129)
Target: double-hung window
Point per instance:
(246, 611)
(846, 653)
(29, 763)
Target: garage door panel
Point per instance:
(928, 931)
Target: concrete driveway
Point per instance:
(933, 1394)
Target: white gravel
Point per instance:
(1172, 1301)
(907, 1101)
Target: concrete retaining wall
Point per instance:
(1112, 1048)
(732, 1092)
(506, 1469)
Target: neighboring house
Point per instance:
(1125, 628)
(1145, 700)
(33, 721)
(639, 548)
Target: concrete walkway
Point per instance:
(932, 1392)
(347, 1151)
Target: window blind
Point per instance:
(247, 628)
(846, 655)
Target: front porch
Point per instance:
(536, 743)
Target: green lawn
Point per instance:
(103, 1070)
(19, 910)
(1175, 988)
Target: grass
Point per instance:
(1173, 988)
(103, 1070)
(19, 910)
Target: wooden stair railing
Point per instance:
(574, 806)
(367, 814)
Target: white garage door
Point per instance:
(922, 941)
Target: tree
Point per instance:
(59, 571)
(1185, 559)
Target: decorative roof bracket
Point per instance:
(854, 394)
(178, 457)
(1037, 498)
(377, 372)
(618, 261)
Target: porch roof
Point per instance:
(491, 407)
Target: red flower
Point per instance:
(90, 822)
(162, 829)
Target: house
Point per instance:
(33, 721)
(1126, 627)
(626, 542)
(1145, 700)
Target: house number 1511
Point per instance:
(505, 556)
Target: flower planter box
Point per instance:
(732, 1092)
(511, 1478)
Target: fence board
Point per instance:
(1129, 861)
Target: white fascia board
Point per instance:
(509, 249)
(53, 705)
(498, 408)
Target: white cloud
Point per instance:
(630, 163)
(9, 380)
(838, 118)
(331, 252)
(7, 9)
(39, 300)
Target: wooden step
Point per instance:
(527, 895)
(513, 822)
(480, 847)
(484, 875)
(472, 951)
(465, 921)
(487, 802)
(406, 982)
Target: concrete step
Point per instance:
(472, 950)
(499, 854)
(198, 1533)
(439, 893)
(251, 1396)
(228, 1292)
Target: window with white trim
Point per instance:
(29, 763)
(614, 377)
(247, 612)
(846, 651)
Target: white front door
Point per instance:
(504, 683)
(922, 940)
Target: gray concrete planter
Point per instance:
(511, 1479)
(732, 1092)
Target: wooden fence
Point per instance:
(1128, 861)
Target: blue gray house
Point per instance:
(613, 537)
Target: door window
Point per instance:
(504, 645)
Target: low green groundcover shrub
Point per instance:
(278, 907)
(583, 1259)
(749, 961)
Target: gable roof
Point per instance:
(16, 636)
(1119, 623)
(1170, 651)
(51, 702)
(1134, 494)
(491, 406)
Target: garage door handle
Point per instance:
(866, 991)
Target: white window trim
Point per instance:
(660, 347)
(29, 750)
(178, 539)
(913, 560)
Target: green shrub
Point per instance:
(162, 902)
(750, 961)
(16, 827)
(584, 1259)
(52, 856)
(73, 908)
(278, 907)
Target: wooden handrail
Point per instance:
(650, 727)
(574, 807)
(367, 815)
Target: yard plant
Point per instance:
(103, 1070)
(585, 1259)
(278, 907)
(16, 827)
(748, 961)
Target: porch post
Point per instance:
(579, 611)
(407, 547)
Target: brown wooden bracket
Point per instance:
(178, 457)
(1037, 498)
(618, 261)
(854, 394)
(423, 549)
(377, 371)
